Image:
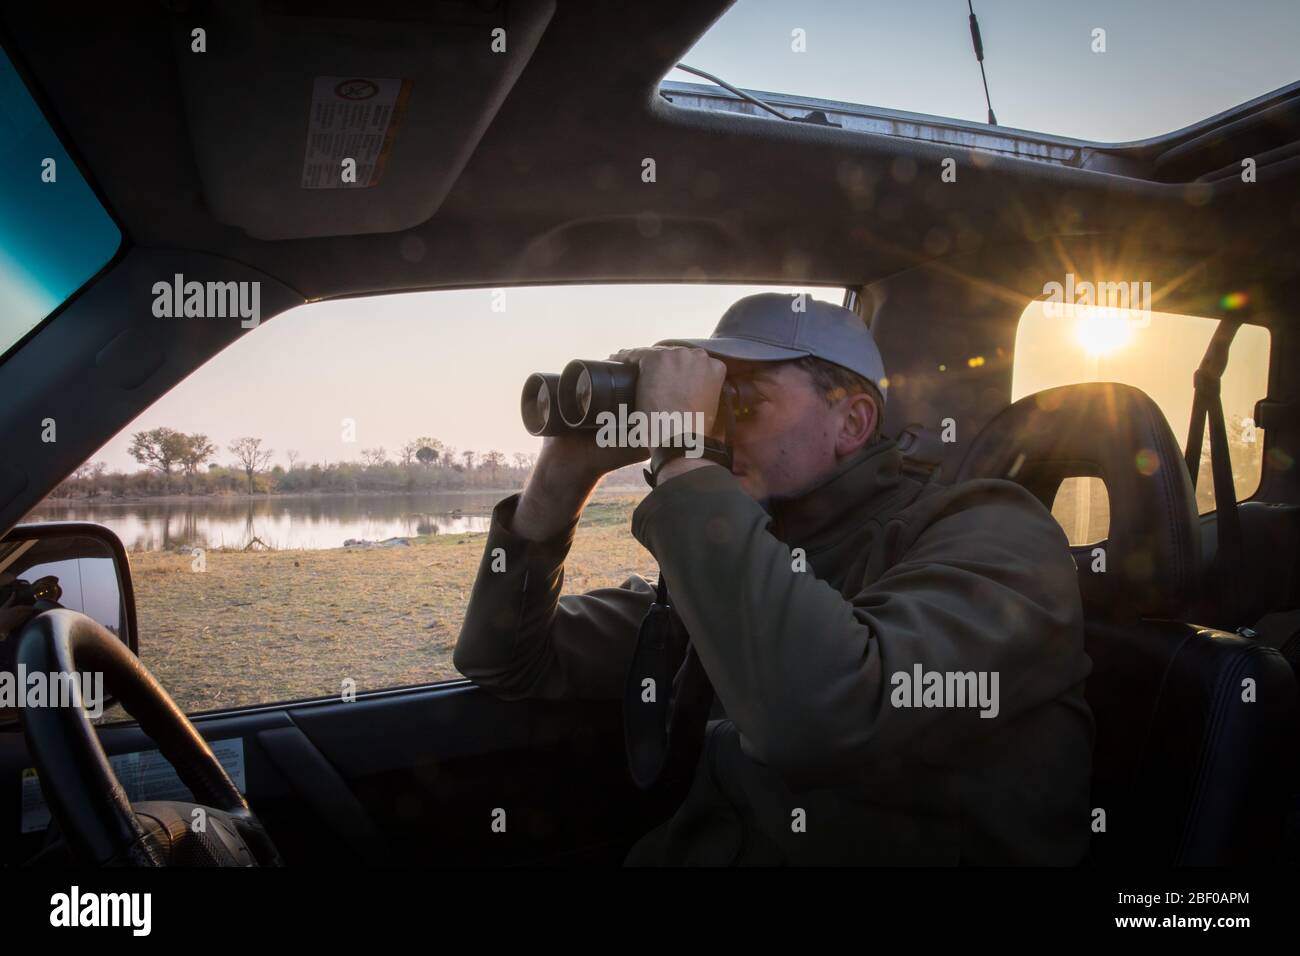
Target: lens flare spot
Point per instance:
(1146, 462)
(1233, 301)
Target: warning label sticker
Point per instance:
(351, 129)
(145, 775)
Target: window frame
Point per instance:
(1181, 438)
(850, 299)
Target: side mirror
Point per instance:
(72, 564)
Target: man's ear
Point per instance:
(857, 424)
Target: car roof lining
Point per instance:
(553, 189)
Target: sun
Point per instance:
(1102, 331)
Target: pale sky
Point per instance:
(444, 364)
(441, 364)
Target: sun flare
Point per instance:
(1103, 331)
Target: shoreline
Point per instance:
(612, 508)
(104, 501)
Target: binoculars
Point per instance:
(573, 400)
(570, 402)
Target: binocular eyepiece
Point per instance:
(571, 401)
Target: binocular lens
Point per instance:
(582, 393)
(589, 388)
(537, 405)
(574, 400)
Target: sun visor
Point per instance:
(338, 118)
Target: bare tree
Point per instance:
(494, 460)
(250, 457)
(521, 460)
(374, 457)
(468, 456)
(293, 456)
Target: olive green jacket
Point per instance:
(839, 631)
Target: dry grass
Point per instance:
(260, 627)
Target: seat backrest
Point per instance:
(1194, 752)
(1116, 433)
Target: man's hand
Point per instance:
(677, 379)
(669, 379)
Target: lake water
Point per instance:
(281, 522)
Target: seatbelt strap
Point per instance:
(666, 700)
(1207, 404)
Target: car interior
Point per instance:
(525, 166)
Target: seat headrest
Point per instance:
(1118, 434)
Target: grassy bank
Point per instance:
(258, 627)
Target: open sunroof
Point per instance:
(1105, 70)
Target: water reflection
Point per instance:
(279, 522)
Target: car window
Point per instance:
(305, 513)
(54, 233)
(1157, 352)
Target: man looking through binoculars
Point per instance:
(814, 581)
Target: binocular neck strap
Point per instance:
(666, 703)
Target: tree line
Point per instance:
(174, 462)
(178, 463)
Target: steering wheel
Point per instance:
(97, 821)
